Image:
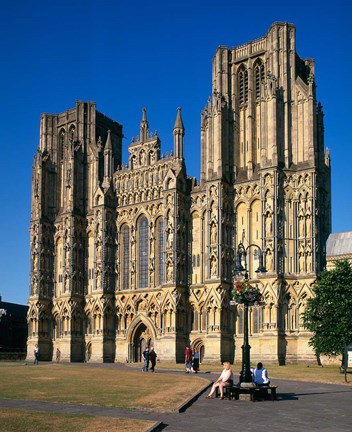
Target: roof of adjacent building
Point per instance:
(339, 244)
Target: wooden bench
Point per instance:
(256, 393)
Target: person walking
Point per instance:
(152, 357)
(188, 359)
(58, 355)
(146, 358)
(36, 354)
(195, 364)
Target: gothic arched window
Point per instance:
(72, 133)
(257, 319)
(161, 251)
(243, 85)
(259, 77)
(125, 259)
(61, 143)
(143, 253)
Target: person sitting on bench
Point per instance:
(224, 380)
(260, 375)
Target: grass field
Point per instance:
(109, 387)
(14, 420)
(65, 383)
(106, 387)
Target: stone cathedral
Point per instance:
(125, 255)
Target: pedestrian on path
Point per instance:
(146, 358)
(152, 357)
(36, 354)
(195, 364)
(188, 359)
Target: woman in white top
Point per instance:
(260, 375)
(224, 380)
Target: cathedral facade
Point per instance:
(136, 254)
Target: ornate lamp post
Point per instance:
(244, 293)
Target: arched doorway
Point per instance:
(141, 339)
(198, 344)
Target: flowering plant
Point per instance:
(243, 292)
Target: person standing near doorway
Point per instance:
(188, 359)
(152, 357)
(146, 358)
(195, 364)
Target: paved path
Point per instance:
(300, 407)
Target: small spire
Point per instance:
(144, 126)
(108, 162)
(108, 145)
(179, 133)
(178, 121)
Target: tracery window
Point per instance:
(143, 253)
(125, 233)
(243, 85)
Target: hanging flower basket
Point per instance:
(244, 293)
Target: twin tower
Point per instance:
(125, 255)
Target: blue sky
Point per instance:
(156, 54)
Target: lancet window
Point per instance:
(143, 253)
(161, 251)
(243, 85)
(125, 233)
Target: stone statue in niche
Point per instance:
(309, 226)
(213, 266)
(132, 271)
(169, 272)
(143, 158)
(269, 261)
(301, 263)
(170, 236)
(213, 233)
(269, 225)
(98, 254)
(301, 227)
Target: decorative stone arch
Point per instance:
(271, 302)
(199, 345)
(141, 333)
(241, 216)
(71, 132)
(169, 180)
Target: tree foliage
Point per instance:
(328, 314)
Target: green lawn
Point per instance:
(14, 420)
(131, 389)
(65, 383)
(97, 386)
